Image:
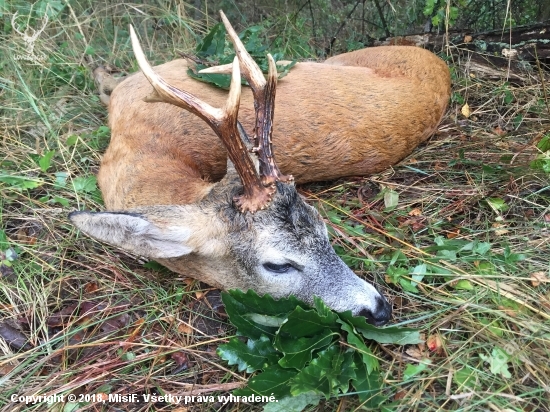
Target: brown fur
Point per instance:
(355, 114)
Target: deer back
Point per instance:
(355, 114)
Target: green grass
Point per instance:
(457, 236)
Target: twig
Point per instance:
(447, 19)
(293, 19)
(541, 74)
(382, 18)
(342, 24)
(363, 20)
(312, 20)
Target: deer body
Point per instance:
(175, 198)
(354, 115)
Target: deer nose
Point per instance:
(380, 315)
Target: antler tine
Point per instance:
(250, 69)
(221, 69)
(222, 121)
(228, 68)
(264, 104)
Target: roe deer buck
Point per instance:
(353, 115)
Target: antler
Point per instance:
(222, 121)
(264, 104)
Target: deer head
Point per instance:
(251, 230)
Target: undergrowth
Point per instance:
(456, 236)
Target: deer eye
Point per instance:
(274, 267)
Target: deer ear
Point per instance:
(136, 233)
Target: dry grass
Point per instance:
(88, 319)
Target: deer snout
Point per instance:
(381, 313)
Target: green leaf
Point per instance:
(498, 362)
(457, 98)
(298, 351)
(486, 268)
(510, 257)
(60, 179)
(71, 140)
(11, 254)
(497, 204)
(367, 385)
(396, 273)
(418, 273)
(128, 356)
(542, 162)
(391, 198)
(105, 388)
(322, 375)
(45, 160)
(465, 378)
(284, 69)
(102, 131)
(265, 320)
(508, 97)
(347, 370)
(85, 184)
(429, 7)
(61, 200)
(493, 326)
(453, 14)
(294, 403)
(156, 267)
(305, 331)
(255, 355)
(447, 254)
(51, 7)
(241, 308)
(408, 285)
(481, 248)
(463, 284)
(329, 317)
(223, 81)
(19, 182)
(246, 325)
(393, 334)
(4, 244)
(265, 304)
(544, 144)
(273, 380)
(215, 49)
(369, 360)
(213, 43)
(71, 407)
(413, 370)
(300, 322)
